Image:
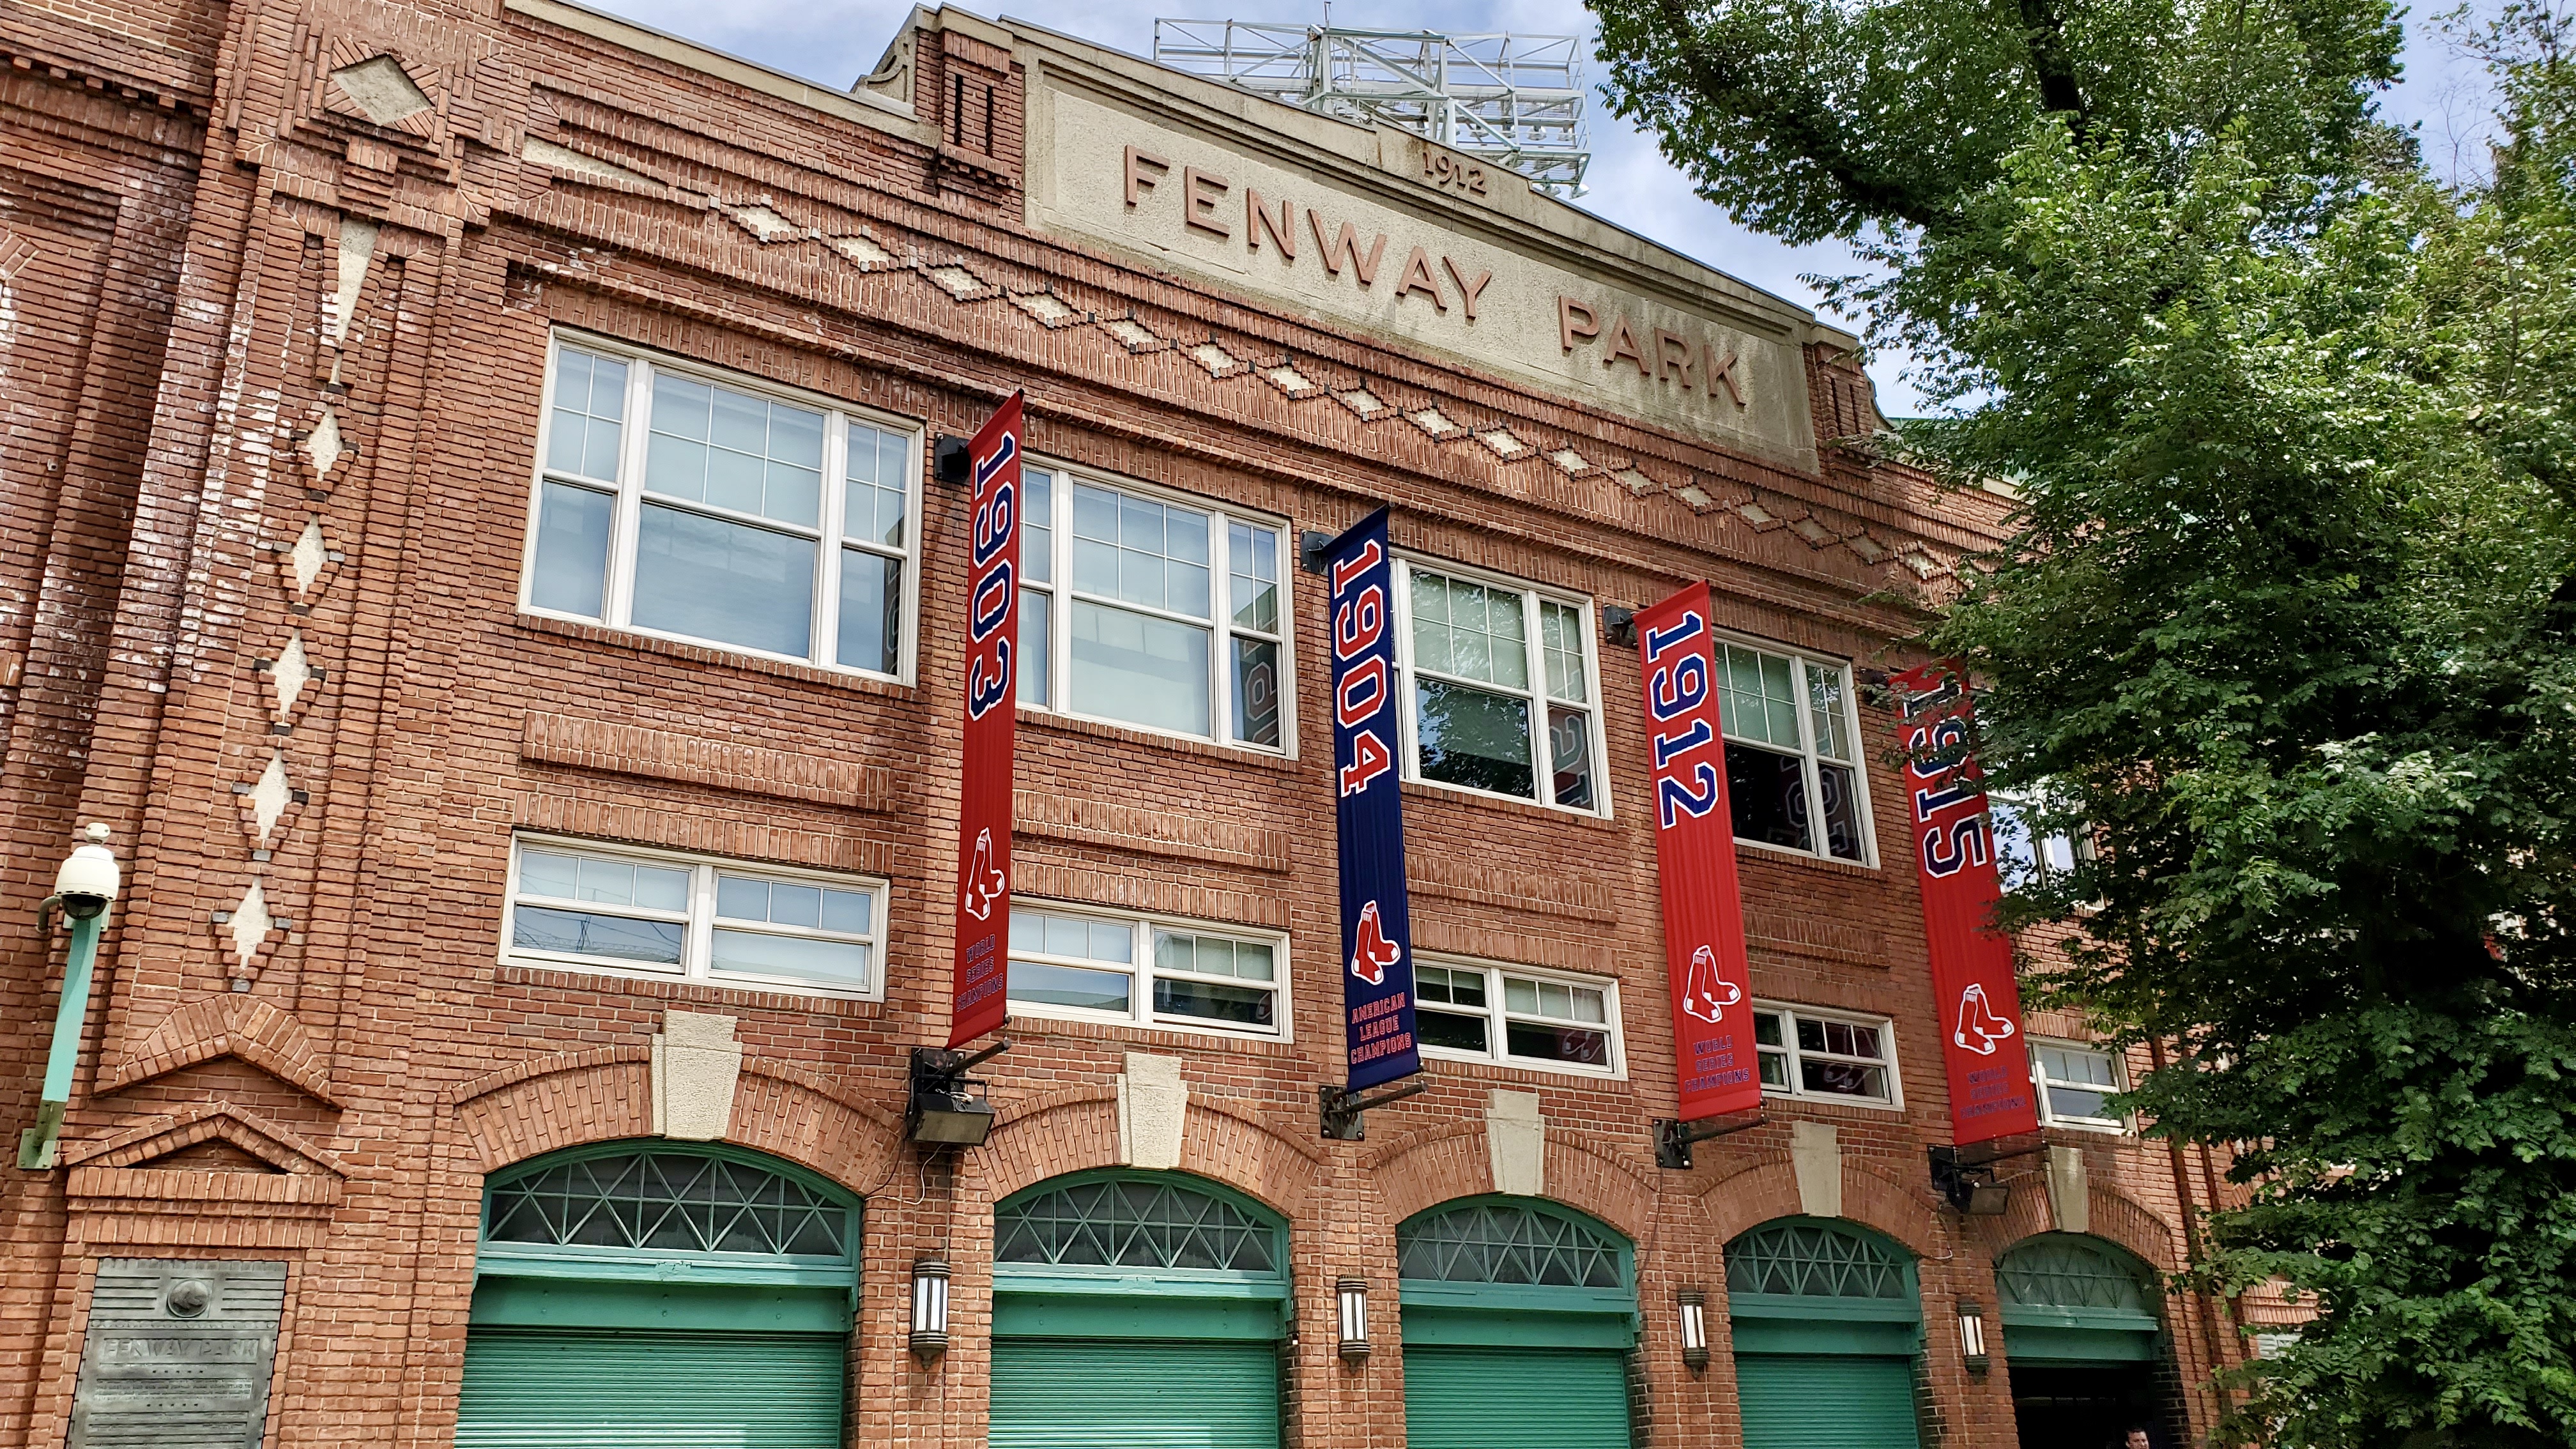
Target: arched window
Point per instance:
(1518, 1318)
(1827, 1322)
(1137, 1308)
(624, 1293)
(2070, 1271)
(2082, 1338)
(1134, 1222)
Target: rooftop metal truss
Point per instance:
(1514, 100)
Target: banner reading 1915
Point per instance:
(1377, 928)
(992, 686)
(1695, 862)
(1972, 966)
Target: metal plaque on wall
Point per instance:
(178, 1354)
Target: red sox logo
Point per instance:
(1979, 1028)
(984, 884)
(1374, 953)
(1705, 994)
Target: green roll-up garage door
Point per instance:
(609, 1389)
(1515, 1398)
(1134, 1393)
(1825, 1401)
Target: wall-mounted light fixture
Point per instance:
(1350, 1297)
(1972, 1335)
(83, 888)
(946, 1107)
(930, 1307)
(1694, 1304)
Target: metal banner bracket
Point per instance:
(1673, 1138)
(1341, 1108)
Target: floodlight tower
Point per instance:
(1513, 100)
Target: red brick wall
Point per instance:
(173, 359)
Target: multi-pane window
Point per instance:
(684, 504)
(2075, 1084)
(2028, 850)
(578, 904)
(1150, 612)
(1501, 696)
(1792, 754)
(1809, 1053)
(1103, 966)
(1516, 1017)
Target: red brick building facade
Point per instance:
(300, 301)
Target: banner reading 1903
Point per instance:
(1695, 862)
(992, 687)
(1377, 927)
(1972, 966)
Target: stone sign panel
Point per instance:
(178, 1354)
(1382, 251)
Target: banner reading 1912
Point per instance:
(1695, 862)
(1377, 928)
(1972, 966)
(992, 686)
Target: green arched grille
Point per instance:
(1814, 1260)
(2061, 1270)
(661, 1201)
(1502, 1243)
(1127, 1223)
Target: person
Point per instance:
(2137, 1438)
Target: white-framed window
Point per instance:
(1793, 774)
(2074, 1079)
(1501, 693)
(1477, 1011)
(1089, 964)
(1833, 1056)
(1146, 609)
(632, 912)
(689, 503)
(2027, 851)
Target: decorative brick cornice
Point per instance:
(1151, 832)
(625, 749)
(234, 1024)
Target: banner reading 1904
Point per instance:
(1377, 927)
(992, 687)
(1695, 862)
(1972, 966)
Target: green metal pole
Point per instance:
(36, 1144)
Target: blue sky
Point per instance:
(1630, 184)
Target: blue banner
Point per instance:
(1377, 929)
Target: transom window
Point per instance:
(1148, 612)
(1797, 1258)
(1470, 1011)
(1135, 1223)
(1810, 1053)
(667, 1202)
(2075, 1084)
(2064, 1270)
(1793, 775)
(701, 506)
(1502, 697)
(724, 922)
(1095, 965)
(2030, 846)
(1508, 1243)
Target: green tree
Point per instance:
(2289, 615)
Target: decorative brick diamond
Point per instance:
(1288, 379)
(1218, 361)
(1816, 534)
(956, 281)
(289, 674)
(1638, 483)
(1362, 401)
(248, 926)
(1050, 309)
(860, 249)
(270, 796)
(1922, 564)
(380, 88)
(1869, 549)
(1571, 461)
(308, 555)
(1755, 514)
(764, 222)
(1694, 495)
(1504, 443)
(1135, 334)
(1433, 421)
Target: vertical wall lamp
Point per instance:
(1350, 1296)
(930, 1307)
(1972, 1335)
(1694, 1304)
(84, 886)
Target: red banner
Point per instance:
(1972, 966)
(1695, 862)
(992, 687)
